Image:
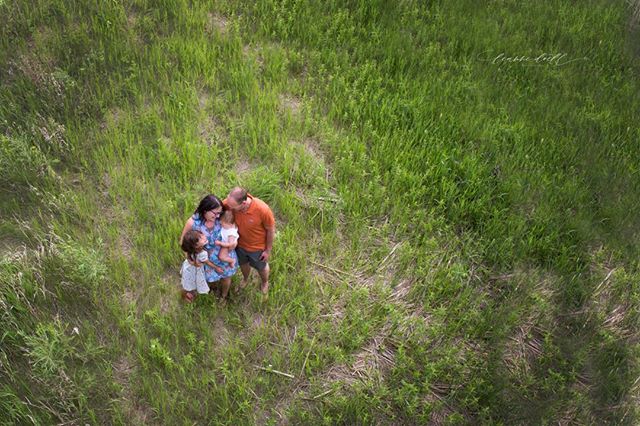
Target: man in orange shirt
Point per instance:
(257, 227)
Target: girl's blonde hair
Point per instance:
(227, 217)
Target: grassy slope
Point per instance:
(503, 192)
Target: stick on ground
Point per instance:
(270, 370)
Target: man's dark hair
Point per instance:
(238, 194)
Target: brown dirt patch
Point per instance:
(257, 321)
(132, 19)
(218, 23)
(112, 118)
(312, 147)
(125, 246)
(135, 409)
(211, 131)
(243, 167)
(130, 297)
(204, 99)
(122, 371)
(251, 52)
(220, 332)
(290, 103)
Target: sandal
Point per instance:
(188, 296)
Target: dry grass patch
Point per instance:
(10, 246)
(257, 320)
(635, 12)
(440, 409)
(523, 348)
(401, 291)
(526, 344)
(39, 70)
(613, 310)
(53, 133)
(377, 357)
(612, 304)
(132, 18)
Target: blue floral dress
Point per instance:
(213, 235)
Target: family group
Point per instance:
(222, 236)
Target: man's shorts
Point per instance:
(251, 257)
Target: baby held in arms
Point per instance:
(229, 235)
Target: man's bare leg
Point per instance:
(264, 276)
(246, 270)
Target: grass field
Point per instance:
(457, 222)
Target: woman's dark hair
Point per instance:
(190, 244)
(210, 202)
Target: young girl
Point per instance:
(229, 234)
(193, 277)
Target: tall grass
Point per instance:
(455, 244)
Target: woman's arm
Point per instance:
(215, 267)
(187, 227)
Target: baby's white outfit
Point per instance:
(193, 276)
(225, 233)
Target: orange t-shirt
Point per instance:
(253, 223)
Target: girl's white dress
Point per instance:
(193, 276)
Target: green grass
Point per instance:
(456, 243)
